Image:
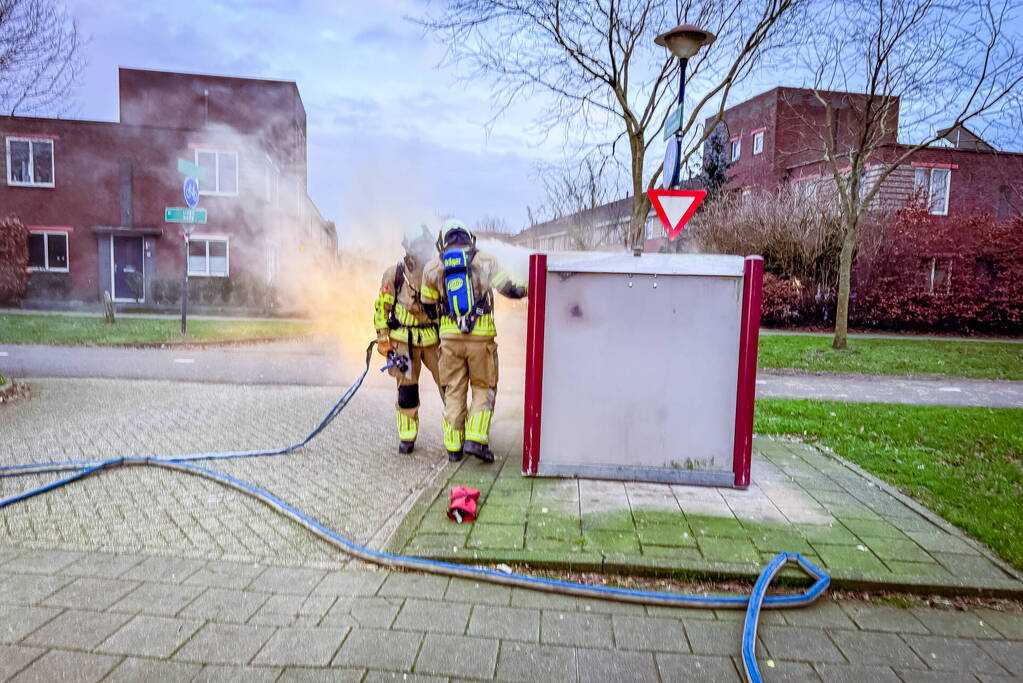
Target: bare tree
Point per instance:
(40, 56)
(574, 192)
(492, 224)
(936, 66)
(570, 189)
(598, 62)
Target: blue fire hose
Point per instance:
(757, 600)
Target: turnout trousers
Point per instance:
(465, 362)
(408, 385)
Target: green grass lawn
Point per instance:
(66, 329)
(983, 360)
(966, 464)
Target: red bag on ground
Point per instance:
(463, 504)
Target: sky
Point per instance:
(394, 136)
(390, 134)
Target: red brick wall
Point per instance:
(88, 157)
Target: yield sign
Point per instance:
(675, 207)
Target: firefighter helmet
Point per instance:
(454, 232)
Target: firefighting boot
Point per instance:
(480, 450)
(455, 456)
(406, 447)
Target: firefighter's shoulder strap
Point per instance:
(399, 278)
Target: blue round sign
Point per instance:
(191, 191)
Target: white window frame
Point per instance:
(31, 162)
(758, 143)
(216, 171)
(46, 251)
(948, 276)
(273, 183)
(928, 171)
(735, 149)
(207, 239)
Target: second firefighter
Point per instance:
(458, 289)
(405, 335)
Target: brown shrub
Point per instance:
(13, 260)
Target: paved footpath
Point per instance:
(311, 363)
(93, 617)
(143, 574)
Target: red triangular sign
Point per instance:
(675, 207)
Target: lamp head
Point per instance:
(685, 40)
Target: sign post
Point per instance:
(189, 218)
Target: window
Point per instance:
(30, 162)
(208, 256)
(272, 265)
(985, 270)
(758, 142)
(221, 172)
(1006, 207)
(931, 186)
(937, 275)
(47, 251)
(273, 183)
(736, 148)
(808, 188)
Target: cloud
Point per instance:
(377, 107)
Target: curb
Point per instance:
(213, 343)
(923, 377)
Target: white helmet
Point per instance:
(418, 244)
(449, 233)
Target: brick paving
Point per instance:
(801, 500)
(339, 478)
(143, 574)
(363, 624)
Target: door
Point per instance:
(126, 255)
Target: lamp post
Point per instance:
(684, 41)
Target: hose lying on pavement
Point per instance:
(757, 600)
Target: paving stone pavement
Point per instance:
(800, 500)
(142, 574)
(89, 616)
(339, 478)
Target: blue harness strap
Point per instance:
(458, 283)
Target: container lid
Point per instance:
(721, 265)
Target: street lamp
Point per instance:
(684, 41)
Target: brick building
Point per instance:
(93, 193)
(776, 138)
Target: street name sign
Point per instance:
(673, 123)
(190, 170)
(182, 214)
(675, 207)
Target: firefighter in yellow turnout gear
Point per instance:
(458, 289)
(405, 334)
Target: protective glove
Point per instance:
(384, 347)
(430, 310)
(513, 291)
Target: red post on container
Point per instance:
(534, 363)
(745, 394)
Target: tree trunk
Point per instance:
(640, 206)
(844, 285)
